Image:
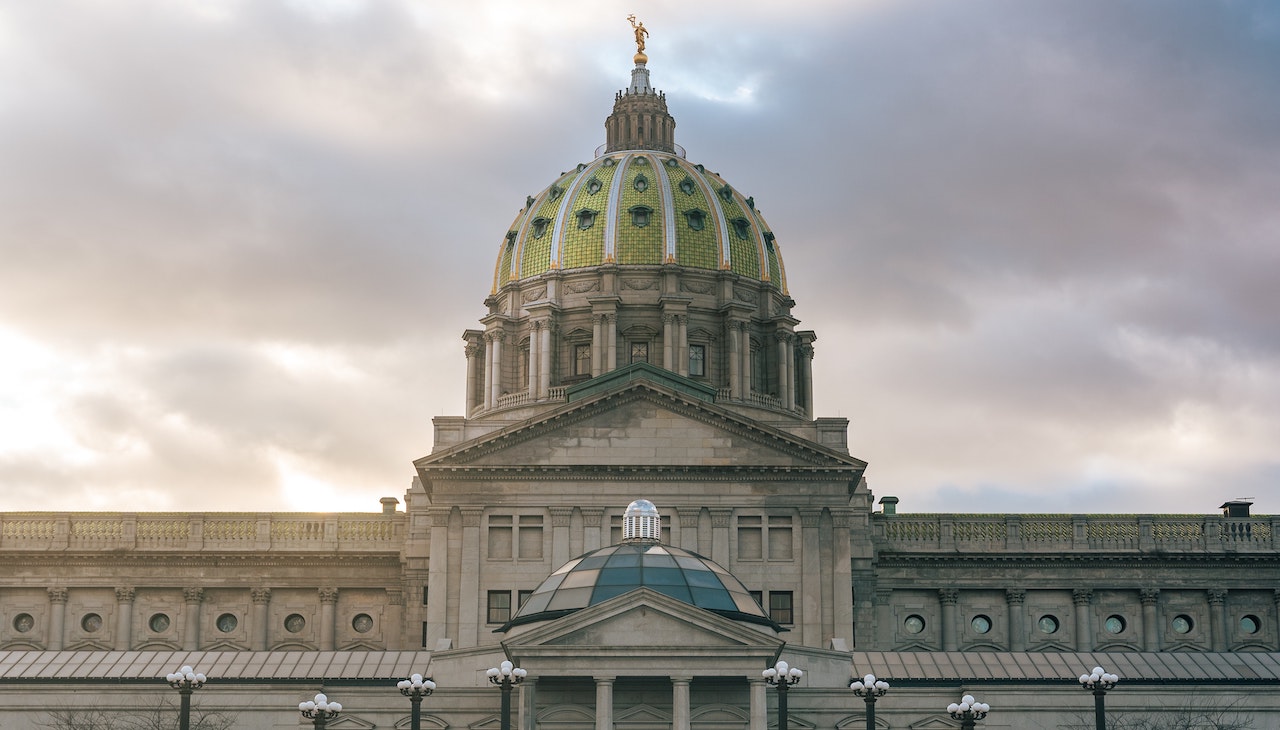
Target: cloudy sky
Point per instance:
(1039, 241)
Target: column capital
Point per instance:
(689, 516)
(883, 595)
(841, 519)
(1217, 596)
(395, 597)
(328, 595)
(1015, 596)
(126, 594)
(809, 517)
(720, 517)
(193, 595)
(1149, 596)
(590, 515)
(681, 679)
(471, 516)
(57, 595)
(260, 596)
(948, 596)
(560, 516)
(472, 350)
(606, 679)
(1082, 596)
(440, 517)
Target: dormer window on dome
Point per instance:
(586, 218)
(540, 227)
(696, 219)
(741, 227)
(640, 215)
(641, 183)
(593, 186)
(686, 186)
(726, 192)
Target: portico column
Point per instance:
(745, 352)
(680, 703)
(1082, 598)
(682, 345)
(604, 703)
(1014, 599)
(193, 597)
(487, 395)
(784, 370)
(735, 362)
(806, 378)
(949, 597)
(1218, 618)
(496, 367)
(1275, 598)
(1150, 598)
(473, 351)
(124, 618)
(611, 343)
(328, 613)
(438, 578)
(810, 578)
(469, 582)
(597, 351)
(261, 598)
(57, 617)
(527, 719)
(544, 352)
(668, 337)
(759, 708)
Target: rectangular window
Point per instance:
(750, 545)
(424, 595)
(639, 352)
(530, 537)
(780, 538)
(499, 607)
(424, 634)
(522, 596)
(500, 537)
(758, 597)
(780, 607)
(582, 359)
(697, 361)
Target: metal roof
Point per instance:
(25, 666)
(1015, 667)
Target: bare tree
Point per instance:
(1183, 717)
(158, 713)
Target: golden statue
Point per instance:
(641, 34)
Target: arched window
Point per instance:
(539, 227)
(696, 219)
(586, 218)
(640, 215)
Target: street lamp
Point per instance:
(1099, 681)
(782, 676)
(505, 676)
(186, 680)
(869, 689)
(415, 688)
(319, 710)
(968, 712)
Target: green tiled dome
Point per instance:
(639, 207)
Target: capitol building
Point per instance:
(642, 508)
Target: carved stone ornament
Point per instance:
(640, 284)
(697, 287)
(582, 287)
(534, 295)
(744, 295)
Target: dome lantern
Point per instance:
(641, 522)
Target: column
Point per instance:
(473, 351)
(682, 345)
(560, 517)
(784, 370)
(1275, 598)
(528, 713)
(597, 345)
(810, 608)
(1150, 598)
(745, 352)
(806, 379)
(261, 598)
(469, 582)
(1217, 618)
(1014, 599)
(535, 359)
(1081, 598)
(668, 337)
(488, 370)
(393, 619)
(192, 597)
(328, 618)
(720, 535)
(604, 703)
(544, 352)
(885, 629)
(124, 618)
(735, 363)
(496, 366)
(611, 341)
(680, 703)
(57, 617)
(591, 519)
(688, 517)
(438, 578)
(949, 597)
(759, 708)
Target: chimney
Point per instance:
(389, 505)
(1236, 507)
(890, 505)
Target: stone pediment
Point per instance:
(641, 423)
(639, 629)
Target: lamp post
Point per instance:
(869, 689)
(415, 688)
(319, 710)
(1099, 681)
(968, 712)
(186, 680)
(782, 676)
(505, 676)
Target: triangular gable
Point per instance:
(645, 423)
